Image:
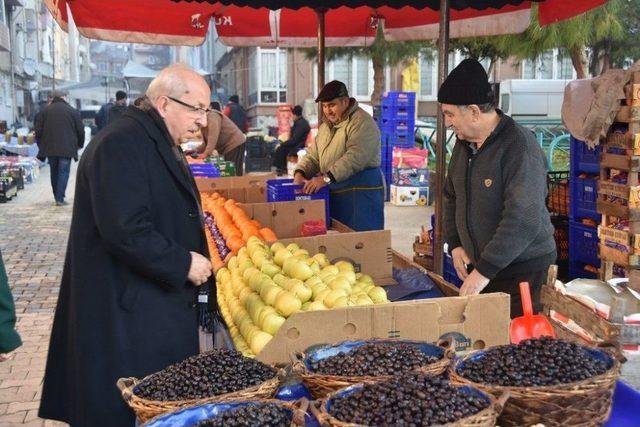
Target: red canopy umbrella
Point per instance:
(303, 22)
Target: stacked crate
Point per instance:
(619, 189)
(583, 214)
(396, 120)
(258, 154)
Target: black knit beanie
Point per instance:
(466, 84)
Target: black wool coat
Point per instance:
(125, 307)
(60, 130)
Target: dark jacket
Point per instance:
(237, 115)
(9, 338)
(102, 116)
(60, 130)
(115, 112)
(495, 203)
(299, 132)
(125, 306)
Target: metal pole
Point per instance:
(321, 15)
(441, 136)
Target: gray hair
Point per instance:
(171, 81)
(484, 108)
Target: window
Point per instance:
(102, 67)
(267, 76)
(355, 72)
(428, 74)
(552, 64)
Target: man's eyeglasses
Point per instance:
(192, 108)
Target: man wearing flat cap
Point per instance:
(497, 226)
(346, 157)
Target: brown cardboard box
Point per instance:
(469, 322)
(243, 189)
(285, 218)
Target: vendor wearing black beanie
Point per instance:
(496, 225)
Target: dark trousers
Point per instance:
(60, 167)
(237, 157)
(281, 153)
(511, 286)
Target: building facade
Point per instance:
(265, 78)
(35, 52)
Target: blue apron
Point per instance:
(358, 202)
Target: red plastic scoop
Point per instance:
(529, 325)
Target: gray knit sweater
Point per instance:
(495, 203)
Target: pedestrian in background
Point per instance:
(102, 116)
(136, 256)
(9, 338)
(299, 133)
(236, 113)
(118, 108)
(60, 131)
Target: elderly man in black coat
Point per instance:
(136, 255)
(60, 133)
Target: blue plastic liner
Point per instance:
(316, 353)
(626, 404)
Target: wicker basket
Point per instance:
(580, 404)
(299, 410)
(320, 385)
(146, 409)
(485, 418)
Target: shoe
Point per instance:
(63, 203)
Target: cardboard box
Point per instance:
(243, 189)
(410, 177)
(409, 196)
(285, 218)
(469, 322)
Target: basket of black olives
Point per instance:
(215, 376)
(410, 399)
(326, 369)
(245, 413)
(549, 381)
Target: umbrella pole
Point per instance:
(441, 135)
(321, 32)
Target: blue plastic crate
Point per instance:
(402, 141)
(397, 126)
(398, 98)
(583, 197)
(284, 190)
(397, 112)
(583, 159)
(583, 244)
(576, 271)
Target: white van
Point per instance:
(532, 99)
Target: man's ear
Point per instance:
(161, 105)
(475, 111)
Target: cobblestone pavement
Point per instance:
(33, 238)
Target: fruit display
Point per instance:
(263, 286)
(374, 359)
(213, 373)
(228, 227)
(410, 399)
(261, 414)
(534, 362)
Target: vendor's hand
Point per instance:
(314, 185)
(473, 284)
(460, 262)
(298, 178)
(200, 269)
